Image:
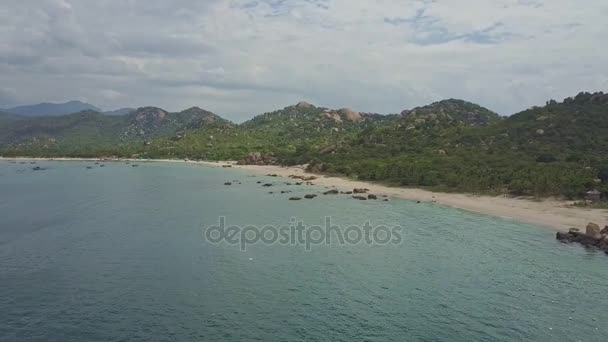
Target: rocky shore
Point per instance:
(592, 237)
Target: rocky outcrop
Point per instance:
(257, 158)
(304, 105)
(360, 191)
(592, 237)
(350, 115)
(372, 197)
(593, 230)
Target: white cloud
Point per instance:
(243, 57)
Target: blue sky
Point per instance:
(239, 58)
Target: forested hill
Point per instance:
(451, 145)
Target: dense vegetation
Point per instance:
(559, 149)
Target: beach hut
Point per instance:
(593, 196)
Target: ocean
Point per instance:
(123, 253)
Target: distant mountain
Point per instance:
(121, 111)
(52, 109)
(151, 121)
(89, 131)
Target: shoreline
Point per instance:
(556, 214)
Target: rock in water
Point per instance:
(295, 199)
(310, 196)
(372, 197)
(331, 192)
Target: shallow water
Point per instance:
(118, 253)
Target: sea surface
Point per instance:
(118, 253)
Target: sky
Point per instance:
(239, 58)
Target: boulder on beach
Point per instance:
(372, 197)
(593, 230)
(360, 191)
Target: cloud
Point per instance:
(242, 57)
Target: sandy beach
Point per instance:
(551, 213)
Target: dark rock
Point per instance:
(227, 183)
(226, 166)
(588, 240)
(331, 192)
(295, 199)
(134, 165)
(385, 200)
(38, 168)
(285, 192)
(259, 182)
(304, 178)
(361, 198)
(604, 231)
(267, 185)
(310, 196)
(89, 167)
(372, 197)
(360, 191)
(347, 192)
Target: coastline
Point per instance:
(556, 214)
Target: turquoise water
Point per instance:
(118, 254)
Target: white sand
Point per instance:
(556, 214)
